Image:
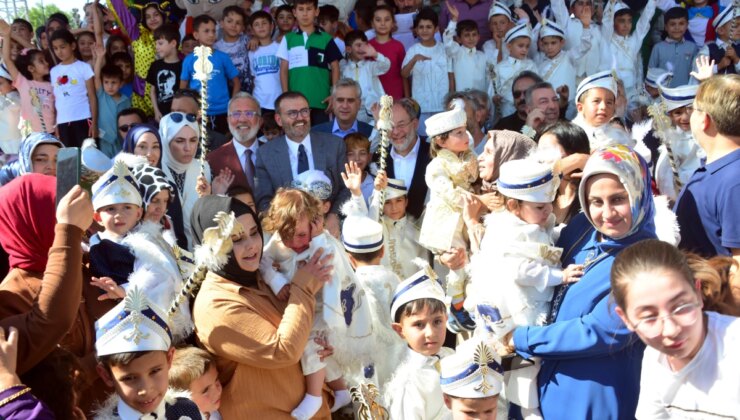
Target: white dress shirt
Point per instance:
(241, 152)
(293, 154)
(403, 166)
(125, 412)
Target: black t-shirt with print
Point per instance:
(165, 79)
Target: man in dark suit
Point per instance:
(346, 102)
(408, 156)
(299, 149)
(240, 154)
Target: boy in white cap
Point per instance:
(363, 241)
(468, 63)
(500, 21)
(556, 64)
(133, 344)
(518, 40)
(725, 50)
(449, 175)
(651, 82)
(572, 20)
(596, 99)
(471, 380)
(419, 317)
(621, 47)
(520, 244)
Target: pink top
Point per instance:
(392, 81)
(45, 93)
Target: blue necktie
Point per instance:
(302, 159)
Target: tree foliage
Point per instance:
(38, 15)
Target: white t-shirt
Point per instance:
(265, 66)
(70, 92)
(707, 388)
(430, 82)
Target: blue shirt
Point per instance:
(712, 197)
(218, 85)
(342, 133)
(108, 109)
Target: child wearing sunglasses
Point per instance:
(689, 368)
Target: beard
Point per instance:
(407, 142)
(243, 138)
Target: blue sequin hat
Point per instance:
(314, 182)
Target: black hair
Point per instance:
(287, 95)
(239, 189)
(186, 38)
(23, 22)
(526, 74)
(434, 306)
(122, 56)
(202, 20)
(235, 10)
(169, 33)
(466, 25)
(132, 111)
(426, 13)
(269, 123)
(328, 12)
(570, 136)
(283, 8)
(385, 7)
(84, 33)
(675, 13)
(187, 93)
(260, 14)
(623, 12)
(111, 40)
(23, 60)
(63, 35)
(111, 71)
(366, 257)
(315, 3)
(60, 17)
(353, 36)
(151, 5)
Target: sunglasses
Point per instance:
(518, 93)
(178, 116)
(124, 128)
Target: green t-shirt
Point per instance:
(309, 64)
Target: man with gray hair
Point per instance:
(346, 97)
(542, 105)
(240, 154)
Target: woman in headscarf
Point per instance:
(37, 154)
(587, 351)
(144, 140)
(257, 339)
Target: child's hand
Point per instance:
(284, 293)
(420, 57)
(471, 209)
(223, 181)
(352, 177)
(329, 101)
(202, 187)
(381, 181)
(454, 258)
(521, 14)
(731, 54)
(454, 13)
(253, 44)
(92, 131)
(327, 350)
(572, 273)
(98, 50)
(368, 51)
(585, 16)
(4, 29)
(704, 68)
(564, 94)
(111, 289)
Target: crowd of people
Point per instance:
(407, 210)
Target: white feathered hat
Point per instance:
(528, 180)
(443, 122)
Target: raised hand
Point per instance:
(223, 181)
(109, 286)
(454, 13)
(704, 68)
(352, 177)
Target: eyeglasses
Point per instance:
(402, 125)
(247, 114)
(518, 93)
(126, 127)
(178, 116)
(684, 316)
(293, 113)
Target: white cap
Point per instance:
(725, 16)
(117, 186)
(314, 182)
(653, 73)
(677, 97)
(423, 284)
(528, 180)
(474, 371)
(620, 6)
(361, 234)
(603, 79)
(550, 28)
(443, 122)
(499, 8)
(518, 31)
(396, 188)
(134, 325)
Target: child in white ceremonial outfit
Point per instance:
(449, 177)
(519, 243)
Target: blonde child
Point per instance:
(449, 176)
(194, 370)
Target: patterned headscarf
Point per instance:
(151, 182)
(633, 173)
(29, 145)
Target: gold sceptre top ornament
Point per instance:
(385, 126)
(366, 395)
(203, 69)
(211, 254)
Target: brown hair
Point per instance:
(434, 148)
(287, 208)
(719, 97)
(356, 141)
(189, 364)
(434, 306)
(119, 359)
(714, 275)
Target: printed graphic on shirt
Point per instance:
(266, 64)
(166, 80)
(65, 80)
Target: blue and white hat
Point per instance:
(422, 285)
(117, 186)
(474, 371)
(603, 79)
(550, 28)
(518, 31)
(362, 235)
(652, 76)
(134, 325)
(528, 180)
(725, 16)
(314, 182)
(443, 122)
(677, 97)
(499, 8)
(395, 188)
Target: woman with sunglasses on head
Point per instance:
(179, 133)
(690, 367)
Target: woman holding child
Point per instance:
(258, 340)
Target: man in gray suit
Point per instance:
(282, 159)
